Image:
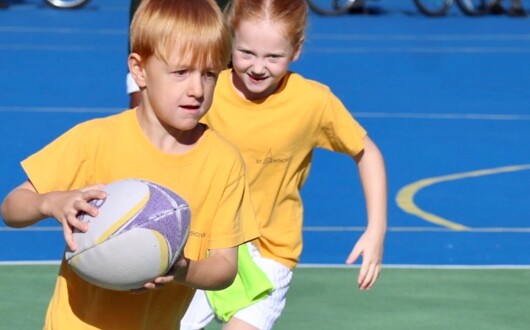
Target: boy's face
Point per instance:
(261, 54)
(178, 93)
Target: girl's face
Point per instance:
(261, 54)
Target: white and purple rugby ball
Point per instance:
(138, 234)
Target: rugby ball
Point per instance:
(138, 234)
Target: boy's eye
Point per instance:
(211, 74)
(180, 72)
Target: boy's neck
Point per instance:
(168, 139)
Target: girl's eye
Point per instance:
(246, 53)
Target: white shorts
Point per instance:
(261, 315)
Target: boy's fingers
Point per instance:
(162, 280)
(94, 194)
(98, 186)
(85, 207)
(74, 222)
(68, 236)
(148, 286)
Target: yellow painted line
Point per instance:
(405, 197)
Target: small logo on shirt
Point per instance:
(270, 159)
(197, 234)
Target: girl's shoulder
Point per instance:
(312, 91)
(296, 80)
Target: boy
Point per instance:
(132, 88)
(178, 48)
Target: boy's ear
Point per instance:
(136, 68)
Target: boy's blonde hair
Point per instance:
(196, 27)
(290, 14)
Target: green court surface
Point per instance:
(327, 298)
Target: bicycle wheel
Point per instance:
(330, 7)
(67, 4)
(474, 7)
(433, 7)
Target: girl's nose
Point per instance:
(258, 67)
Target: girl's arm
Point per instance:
(373, 179)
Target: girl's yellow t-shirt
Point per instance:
(277, 137)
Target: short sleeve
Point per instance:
(63, 164)
(338, 129)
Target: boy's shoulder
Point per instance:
(99, 130)
(219, 151)
(219, 143)
(107, 121)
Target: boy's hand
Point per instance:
(65, 206)
(177, 273)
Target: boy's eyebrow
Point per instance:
(191, 66)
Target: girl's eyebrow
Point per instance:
(278, 54)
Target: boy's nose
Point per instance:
(195, 87)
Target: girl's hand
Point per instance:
(370, 247)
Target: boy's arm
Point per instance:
(373, 180)
(216, 272)
(24, 206)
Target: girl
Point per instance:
(277, 118)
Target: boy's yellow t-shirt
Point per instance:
(276, 137)
(210, 177)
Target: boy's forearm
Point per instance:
(213, 273)
(22, 208)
